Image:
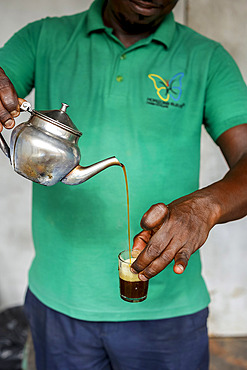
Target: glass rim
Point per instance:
(121, 258)
(127, 252)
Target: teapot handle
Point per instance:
(25, 106)
(4, 146)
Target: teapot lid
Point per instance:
(59, 118)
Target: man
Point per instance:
(139, 86)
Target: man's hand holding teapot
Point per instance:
(9, 102)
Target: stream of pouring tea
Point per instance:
(128, 207)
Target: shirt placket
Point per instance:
(120, 76)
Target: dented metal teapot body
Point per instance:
(44, 149)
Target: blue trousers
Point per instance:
(64, 343)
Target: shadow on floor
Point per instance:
(228, 353)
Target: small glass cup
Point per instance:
(132, 289)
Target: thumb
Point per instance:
(20, 101)
(154, 217)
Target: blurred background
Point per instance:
(224, 254)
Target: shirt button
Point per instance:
(123, 56)
(119, 78)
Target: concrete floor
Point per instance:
(228, 353)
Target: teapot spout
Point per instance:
(81, 174)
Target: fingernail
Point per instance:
(9, 123)
(181, 267)
(135, 253)
(133, 271)
(14, 113)
(142, 277)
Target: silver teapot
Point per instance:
(44, 149)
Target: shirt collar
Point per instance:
(94, 17)
(164, 33)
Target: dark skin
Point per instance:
(133, 20)
(176, 232)
(173, 232)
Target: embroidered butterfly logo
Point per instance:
(166, 89)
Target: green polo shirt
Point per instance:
(144, 104)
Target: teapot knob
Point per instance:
(64, 107)
(26, 106)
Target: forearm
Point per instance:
(226, 199)
(176, 232)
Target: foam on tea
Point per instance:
(125, 272)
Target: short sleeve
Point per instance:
(226, 94)
(18, 57)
